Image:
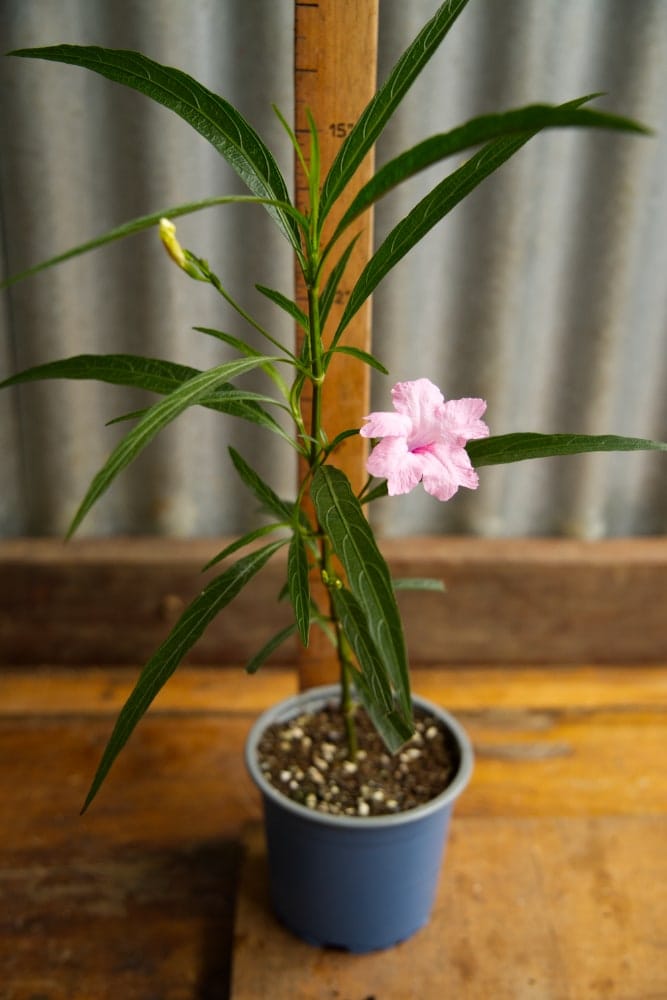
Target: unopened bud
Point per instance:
(171, 244)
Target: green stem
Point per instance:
(315, 335)
(318, 451)
(214, 280)
(347, 703)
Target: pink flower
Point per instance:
(425, 440)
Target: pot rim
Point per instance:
(285, 709)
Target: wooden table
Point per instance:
(553, 888)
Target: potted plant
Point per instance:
(353, 804)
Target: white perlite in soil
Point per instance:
(307, 760)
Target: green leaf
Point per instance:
(356, 352)
(299, 589)
(247, 406)
(249, 352)
(158, 376)
(243, 406)
(503, 448)
(250, 411)
(265, 652)
(419, 583)
(372, 681)
(118, 369)
(381, 107)
(394, 729)
(240, 543)
(341, 517)
(340, 437)
(162, 664)
(429, 211)
(377, 493)
(353, 621)
(532, 118)
(282, 509)
(153, 420)
(137, 225)
(125, 417)
(210, 115)
(328, 296)
(285, 303)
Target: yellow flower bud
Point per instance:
(171, 244)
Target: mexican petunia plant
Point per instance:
(426, 439)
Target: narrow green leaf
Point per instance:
(162, 664)
(118, 369)
(531, 118)
(394, 729)
(355, 626)
(377, 493)
(247, 351)
(137, 225)
(247, 406)
(125, 417)
(282, 509)
(299, 588)
(356, 352)
(372, 681)
(153, 420)
(262, 655)
(285, 303)
(154, 375)
(340, 437)
(419, 583)
(210, 115)
(243, 406)
(429, 211)
(331, 288)
(381, 107)
(240, 543)
(503, 448)
(341, 517)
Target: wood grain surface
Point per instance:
(553, 885)
(508, 602)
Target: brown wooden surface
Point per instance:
(335, 69)
(508, 602)
(553, 886)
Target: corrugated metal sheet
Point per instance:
(545, 292)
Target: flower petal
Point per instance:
(460, 419)
(438, 478)
(451, 468)
(418, 400)
(384, 424)
(391, 460)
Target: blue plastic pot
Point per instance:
(360, 884)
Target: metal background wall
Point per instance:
(545, 293)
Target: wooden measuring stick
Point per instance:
(335, 66)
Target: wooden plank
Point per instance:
(552, 885)
(136, 899)
(335, 60)
(525, 908)
(508, 602)
(101, 691)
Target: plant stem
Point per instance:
(317, 380)
(317, 452)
